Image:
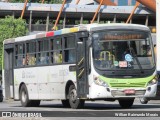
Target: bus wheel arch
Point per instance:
(69, 83)
(65, 102)
(22, 83)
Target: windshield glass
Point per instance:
(121, 50)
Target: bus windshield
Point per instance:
(123, 50)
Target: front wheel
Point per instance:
(143, 100)
(74, 102)
(126, 103)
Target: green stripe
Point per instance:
(127, 82)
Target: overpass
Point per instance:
(40, 17)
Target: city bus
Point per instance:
(87, 62)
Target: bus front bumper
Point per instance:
(97, 92)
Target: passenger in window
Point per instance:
(32, 60)
(44, 58)
(57, 57)
(24, 61)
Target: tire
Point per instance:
(73, 101)
(126, 103)
(25, 98)
(65, 103)
(143, 100)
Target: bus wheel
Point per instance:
(24, 97)
(73, 101)
(143, 100)
(126, 103)
(65, 103)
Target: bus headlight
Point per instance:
(100, 82)
(152, 82)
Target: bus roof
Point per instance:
(81, 27)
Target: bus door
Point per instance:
(8, 71)
(82, 65)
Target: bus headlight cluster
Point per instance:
(152, 82)
(100, 82)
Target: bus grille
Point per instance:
(141, 84)
(121, 93)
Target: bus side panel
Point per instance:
(28, 76)
(43, 79)
(69, 74)
(50, 80)
(44, 83)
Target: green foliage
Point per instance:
(11, 28)
(38, 1)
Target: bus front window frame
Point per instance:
(147, 43)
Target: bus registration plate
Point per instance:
(129, 91)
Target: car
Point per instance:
(144, 100)
(1, 94)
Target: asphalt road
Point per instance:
(92, 111)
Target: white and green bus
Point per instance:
(88, 62)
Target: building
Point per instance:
(124, 2)
(41, 17)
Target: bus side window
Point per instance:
(19, 54)
(69, 49)
(57, 57)
(44, 58)
(30, 59)
(43, 54)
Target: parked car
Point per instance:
(157, 97)
(1, 94)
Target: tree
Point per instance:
(11, 28)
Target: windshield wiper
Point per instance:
(135, 56)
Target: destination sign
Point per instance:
(123, 37)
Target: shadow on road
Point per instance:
(100, 106)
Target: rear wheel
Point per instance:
(25, 99)
(126, 103)
(74, 102)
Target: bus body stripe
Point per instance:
(49, 34)
(58, 32)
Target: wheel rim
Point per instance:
(73, 96)
(142, 100)
(24, 96)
